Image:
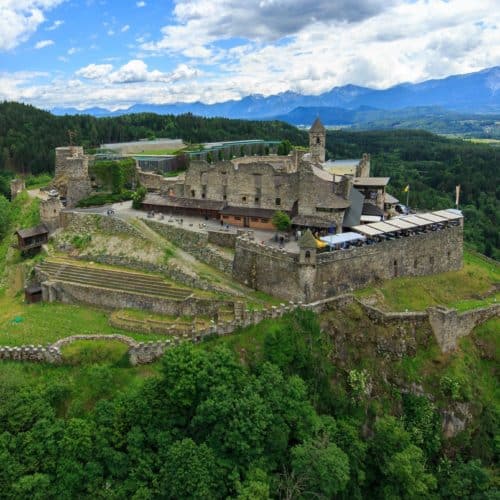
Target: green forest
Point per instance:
(266, 423)
(432, 165)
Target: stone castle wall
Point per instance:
(278, 273)
(410, 326)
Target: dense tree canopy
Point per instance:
(210, 426)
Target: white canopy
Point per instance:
(336, 239)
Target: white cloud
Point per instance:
(125, 28)
(73, 50)
(43, 43)
(137, 71)
(95, 71)
(55, 25)
(111, 32)
(141, 4)
(378, 46)
(19, 19)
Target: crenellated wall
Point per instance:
(279, 273)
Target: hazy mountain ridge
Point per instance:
(470, 93)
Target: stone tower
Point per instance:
(72, 174)
(317, 141)
(16, 186)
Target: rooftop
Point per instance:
(371, 181)
(32, 231)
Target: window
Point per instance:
(308, 254)
(278, 202)
(203, 195)
(225, 216)
(243, 198)
(257, 199)
(193, 193)
(415, 263)
(318, 140)
(264, 220)
(224, 197)
(431, 260)
(395, 267)
(237, 218)
(255, 219)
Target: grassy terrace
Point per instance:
(471, 287)
(45, 323)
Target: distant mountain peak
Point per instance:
(473, 92)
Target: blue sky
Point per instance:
(112, 53)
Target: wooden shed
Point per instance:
(32, 238)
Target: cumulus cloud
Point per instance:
(314, 50)
(140, 4)
(135, 71)
(95, 71)
(43, 43)
(20, 19)
(55, 25)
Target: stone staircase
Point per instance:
(138, 283)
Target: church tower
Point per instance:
(317, 141)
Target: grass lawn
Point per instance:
(45, 323)
(461, 289)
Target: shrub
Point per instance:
(281, 221)
(138, 197)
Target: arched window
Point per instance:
(318, 140)
(307, 255)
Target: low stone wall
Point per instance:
(71, 293)
(194, 242)
(31, 353)
(222, 238)
(79, 222)
(147, 352)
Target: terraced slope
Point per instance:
(142, 284)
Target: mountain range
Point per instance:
(457, 95)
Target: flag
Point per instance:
(457, 194)
(406, 189)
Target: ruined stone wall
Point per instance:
(278, 273)
(408, 331)
(155, 182)
(79, 222)
(450, 326)
(196, 243)
(50, 210)
(255, 184)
